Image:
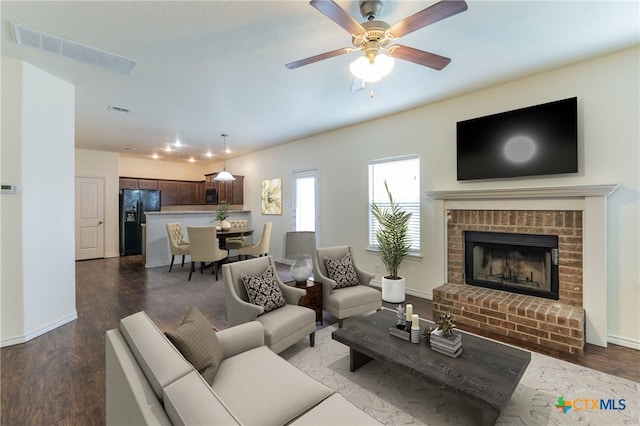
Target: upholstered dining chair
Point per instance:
(177, 244)
(261, 248)
(204, 248)
(254, 292)
(234, 243)
(345, 287)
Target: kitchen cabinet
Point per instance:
(230, 191)
(189, 193)
(128, 183)
(147, 184)
(169, 192)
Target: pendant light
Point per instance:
(224, 175)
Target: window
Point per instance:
(403, 179)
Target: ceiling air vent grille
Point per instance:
(70, 49)
(118, 110)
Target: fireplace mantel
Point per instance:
(591, 199)
(576, 191)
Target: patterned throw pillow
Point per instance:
(342, 271)
(198, 343)
(264, 290)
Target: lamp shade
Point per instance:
(300, 243)
(224, 176)
(371, 72)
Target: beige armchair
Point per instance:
(204, 248)
(283, 326)
(261, 248)
(350, 300)
(177, 244)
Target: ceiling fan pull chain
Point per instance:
(371, 92)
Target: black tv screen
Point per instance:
(537, 140)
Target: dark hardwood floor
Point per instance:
(59, 377)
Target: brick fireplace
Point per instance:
(554, 325)
(576, 216)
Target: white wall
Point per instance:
(42, 148)
(608, 109)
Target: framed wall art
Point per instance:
(272, 196)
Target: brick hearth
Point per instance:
(556, 325)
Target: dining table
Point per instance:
(236, 232)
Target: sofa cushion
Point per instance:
(198, 343)
(263, 290)
(335, 410)
(191, 401)
(286, 321)
(263, 389)
(160, 361)
(342, 271)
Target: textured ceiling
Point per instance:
(213, 67)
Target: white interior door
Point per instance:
(306, 202)
(89, 218)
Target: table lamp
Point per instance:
(300, 246)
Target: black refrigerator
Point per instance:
(133, 205)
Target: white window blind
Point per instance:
(403, 179)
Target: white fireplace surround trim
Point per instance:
(590, 199)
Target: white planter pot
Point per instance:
(393, 290)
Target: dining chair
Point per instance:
(234, 243)
(177, 244)
(204, 248)
(261, 248)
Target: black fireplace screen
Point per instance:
(519, 263)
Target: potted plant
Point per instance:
(394, 245)
(222, 214)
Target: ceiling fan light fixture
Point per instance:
(372, 71)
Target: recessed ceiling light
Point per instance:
(177, 143)
(168, 148)
(192, 160)
(155, 156)
(209, 154)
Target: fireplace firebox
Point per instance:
(519, 263)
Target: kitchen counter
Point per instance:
(156, 247)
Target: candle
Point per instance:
(415, 321)
(409, 311)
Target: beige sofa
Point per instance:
(148, 381)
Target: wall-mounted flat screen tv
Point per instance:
(537, 140)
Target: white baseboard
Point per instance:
(623, 341)
(39, 332)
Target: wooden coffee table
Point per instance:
(485, 375)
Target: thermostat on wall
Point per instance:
(9, 188)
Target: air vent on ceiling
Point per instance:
(70, 49)
(128, 148)
(118, 110)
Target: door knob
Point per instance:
(100, 223)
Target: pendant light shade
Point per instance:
(224, 175)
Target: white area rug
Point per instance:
(394, 397)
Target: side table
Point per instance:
(313, 298)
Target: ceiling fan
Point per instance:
(375, 38)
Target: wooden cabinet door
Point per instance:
(128, 183)
(170, 192)
(147, 184)
(238, 190)
(189, 193)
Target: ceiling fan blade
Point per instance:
(417, 56)
(338, 15)
(320, 57)
(428, 16)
